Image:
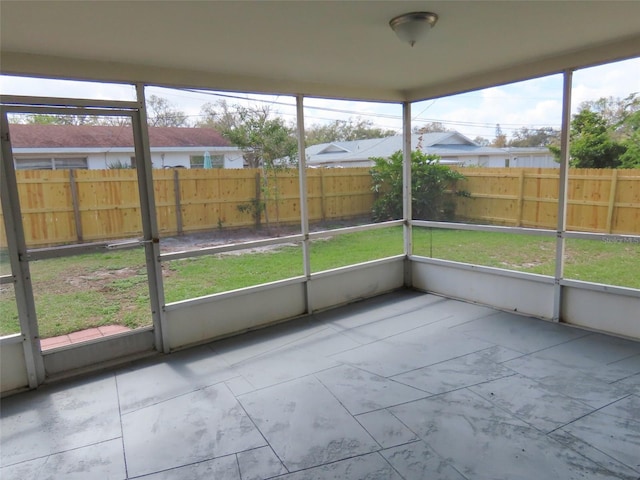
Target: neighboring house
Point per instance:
(452, 147)
(52, 147)
(531, 157)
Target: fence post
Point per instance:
(520, 198)
(76, 205)
(322, 207)
(612, 200)
(176, 194)
(258, 209)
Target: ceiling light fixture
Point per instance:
(411, 27)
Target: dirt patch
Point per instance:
(214, 238)
(100, 278)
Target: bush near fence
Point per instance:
(69, 206)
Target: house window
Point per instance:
(55, 163)
(197, 161)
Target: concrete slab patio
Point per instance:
(403, 386)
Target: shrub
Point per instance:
(433, 187)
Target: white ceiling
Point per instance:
(341, 49)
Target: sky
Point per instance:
(533, 103)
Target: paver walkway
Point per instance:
(81, 336)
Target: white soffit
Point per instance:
(320, 48)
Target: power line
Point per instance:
(487, 126)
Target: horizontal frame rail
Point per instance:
(22, 100)
(231, 247)
(298, 238)
(78, 249)
(485, 228)
(359, 228)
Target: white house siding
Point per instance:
(538, 161)
(98, 160)
(452, 147)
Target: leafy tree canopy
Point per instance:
(344, 130)
(431, 127)
(263, 138)
(605, 133)
(534, 137)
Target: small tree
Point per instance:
(430, 185)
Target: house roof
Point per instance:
(441, 143)
(317, 48)
(102, 136)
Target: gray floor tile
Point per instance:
(251, 345)
(482, 442)
(608, 463)
(523, 334)
(281, 366)
(630, 365)
(102, 460)
(594, 348)
(453, 374)
(191, 428)
(223, 468)
(305, 425)
(530, 401)
(361, 391)
(259, 464)
(365, 467)
(628, 408)
(417, 461)
(325, 342)
(239, 386)
(591, 386)
(410, 351)
(460, 405)
(500, 354)
(615, 436)
(177, 374)
(438, 309)
(630, 384)
(386, 429)
(375, 309)
(58, 418)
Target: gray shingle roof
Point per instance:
(450, 143)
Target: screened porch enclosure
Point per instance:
(402, 366)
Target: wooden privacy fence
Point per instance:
(69, 206)
(599, 200)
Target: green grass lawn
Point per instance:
(90, 290)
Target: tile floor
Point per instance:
(404, 386)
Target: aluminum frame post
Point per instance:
(406, 191)
(150, 230)
(304, 210)
(17, 249)
(562, 194)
